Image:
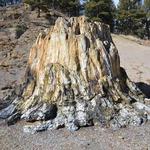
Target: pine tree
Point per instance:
(2, 3)
(36, 4)
(147, 10)
(147, 5)
(130, 18)
(71, 7)
(100, 10)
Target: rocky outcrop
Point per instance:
(74, 79)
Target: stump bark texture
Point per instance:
(74, 79)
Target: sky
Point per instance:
(116, 2)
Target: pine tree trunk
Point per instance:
(74, 79)
(148, 28)
(39, 13)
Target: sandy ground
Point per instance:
(135, 59)
(90, 138)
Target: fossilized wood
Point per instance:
(74, 79)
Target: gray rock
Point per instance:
(37, 127)
(8, 111)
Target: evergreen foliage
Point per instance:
(131, 18)
(147, 10)
(20, 29)
(2, 3)
(100, 10)
(70, 7)
(37, 4)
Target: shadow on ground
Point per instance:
(145, 88)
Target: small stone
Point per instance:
(72, 127)
(28, 129)
(13, 118)
(37, 127)
(121, 137)
(5, 113)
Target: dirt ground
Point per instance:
(135, 59)
(90, 138)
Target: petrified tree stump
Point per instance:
(74, 79)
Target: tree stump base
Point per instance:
(74, 79)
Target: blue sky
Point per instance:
(116, 2)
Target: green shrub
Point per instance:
(20, 29)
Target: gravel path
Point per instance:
(135, 59)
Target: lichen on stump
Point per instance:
(74, 79)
